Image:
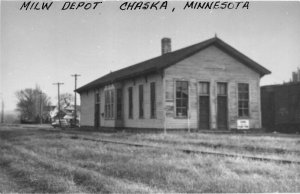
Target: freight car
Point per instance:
(280, 106)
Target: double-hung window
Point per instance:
(141, 101)
(152, 100)
(182, 96)
(243, 98)
(119, 103)
(109, 104)
(130, 103)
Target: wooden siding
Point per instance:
(146, 121)
(88, 102)
(211, 65)
(87, 108)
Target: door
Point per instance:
(222, 112)
(97, 116)
(222, 106)
(97, 111)
(204, 112)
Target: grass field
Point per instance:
(55, 161)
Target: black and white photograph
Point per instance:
(150, 96)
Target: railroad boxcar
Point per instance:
(280, 106)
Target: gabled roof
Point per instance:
(161, 62)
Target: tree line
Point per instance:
(34, 105)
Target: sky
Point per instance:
(41, 47)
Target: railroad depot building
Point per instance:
(209, 85)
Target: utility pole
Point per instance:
(58, 96)
(75, 111)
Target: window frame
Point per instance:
(109, 104)
(119, 106)
(141, 101)
(176, 99)
(153, 100)
(97, 97)
(208, 88)
(225, 88)
(243, 101)
(130, 102)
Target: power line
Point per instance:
(58, 96)
(75, 111)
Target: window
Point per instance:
(222, 89)
(119, 103)
(97, 98)
(182, 96)
(109, 104)
(243, 96)
(106, 104)
(152, 100)
(141, 101)
(130, 103)
(204, 89)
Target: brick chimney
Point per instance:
(165, 45)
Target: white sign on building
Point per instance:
(243, 124)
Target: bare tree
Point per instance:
(31, 103)
(66, 99)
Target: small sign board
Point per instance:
(243, 124)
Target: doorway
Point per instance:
(97, 111)
(222, 103)
(204, 110)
